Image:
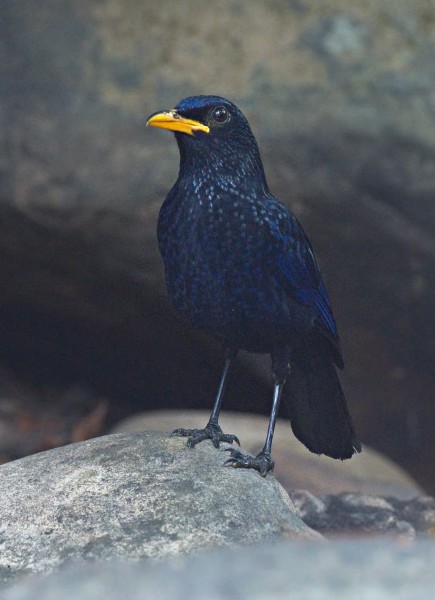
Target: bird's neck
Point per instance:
(224, 172)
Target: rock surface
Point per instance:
(132, 496)
(361, 514)
(341, 98)
(336, 571)
(295, 467)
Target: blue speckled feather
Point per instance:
(297, 263)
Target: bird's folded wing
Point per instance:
(299, 271)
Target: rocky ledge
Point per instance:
(133, 496)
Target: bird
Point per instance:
(239, 266)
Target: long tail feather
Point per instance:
(318, 412)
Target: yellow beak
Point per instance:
(175, 122)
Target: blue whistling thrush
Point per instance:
(239, 265)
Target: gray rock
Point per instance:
(351, 570)
(132, 496)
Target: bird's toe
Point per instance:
(230, 439)
(211, 432)
(262, 463)
(182, 432)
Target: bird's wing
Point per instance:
(299, 271)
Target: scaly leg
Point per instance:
(212, 431)
(263, 462)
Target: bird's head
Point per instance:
(213, 134)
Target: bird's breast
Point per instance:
(220, 266)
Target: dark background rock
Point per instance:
(335, 571)
(129, 497)
(361, 514)
(341, 98)
(35, 420)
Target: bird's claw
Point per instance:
(262, 463)
(210, 432)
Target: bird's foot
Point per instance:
(262, 463)
(212, 432)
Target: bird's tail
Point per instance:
(318, 412)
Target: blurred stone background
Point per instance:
(341, 97)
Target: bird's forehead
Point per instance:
(199, 103)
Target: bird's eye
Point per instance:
(220, 114)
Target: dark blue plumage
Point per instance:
(239, 265)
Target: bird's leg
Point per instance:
(212, 431)
(263, 462)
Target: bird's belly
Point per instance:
(243, 307)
